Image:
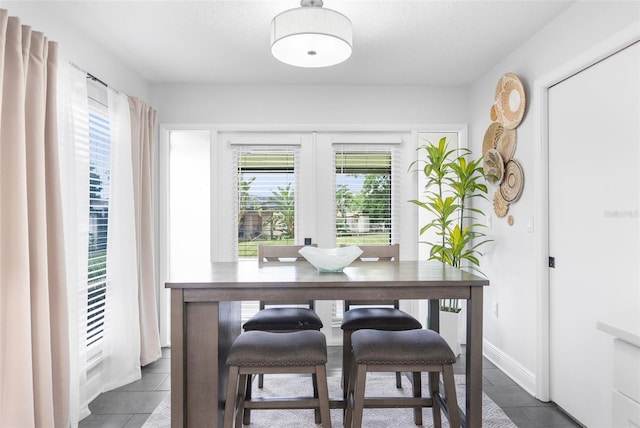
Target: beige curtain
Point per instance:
(34, 338)
(143, 122)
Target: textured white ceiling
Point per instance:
(227, 41)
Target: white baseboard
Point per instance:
(520, 375)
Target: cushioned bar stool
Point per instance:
(411, 351)
(375, 314)
(262, 352)
(285, 316)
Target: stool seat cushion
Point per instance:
(263, 348)
(379, 319)
(284, 319)
(400, 347)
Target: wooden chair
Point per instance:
(413, 351)
(373, 314)
(282, 316)
(260, 352)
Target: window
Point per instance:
(363, 196)
(266, 198)
(99, 178)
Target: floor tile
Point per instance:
(105, 421)
(497, 377)
(122, 402)
(511, 396)
(149, 382)
(163, 365)
(165, 385)
(548, 417)
(137, 420)
(518, 417)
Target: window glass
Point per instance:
(363, 197)
(266, 198)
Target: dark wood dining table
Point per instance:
(205, 319)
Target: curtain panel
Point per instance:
(143, 123)
(34, 338)
(73, 136)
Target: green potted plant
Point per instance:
(452, 182)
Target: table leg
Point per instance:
(178, 368)
(433, 315)
(473, 400)
(201, 335)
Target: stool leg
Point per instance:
(417, 392)
(358, 395)
(246, 413)
(323, 395)
(450, 391)
(314, 380)
(398, 379)
(346, 360)
(434, 390)
(241, 399)
(260, 381)
(232, 391)
(347, 413)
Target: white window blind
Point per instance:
(265, 183)
(99, 178)
(366, 199)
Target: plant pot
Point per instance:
(449, 322)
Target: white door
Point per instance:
(593, 228)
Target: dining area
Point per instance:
(206, 327)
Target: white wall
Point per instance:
(510, 338)
(78, 48)
(298, 104)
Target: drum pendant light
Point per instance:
(311, 36)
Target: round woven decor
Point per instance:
(506, 144)
(491, 136)
(500, 206)
(510, 100)
(493, 114)
(493, 166)
(513, 182)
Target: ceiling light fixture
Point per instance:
(310, 36)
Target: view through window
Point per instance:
(266, 196)
(363, 197)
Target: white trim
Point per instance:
(271, 142)
(517, 372)
(162, 268)
(310, 127)
(386, 140)
(609, 46)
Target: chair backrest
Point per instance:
(274, 254)
(377, 253)
(279, 253)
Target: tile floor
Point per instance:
(130, 405)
